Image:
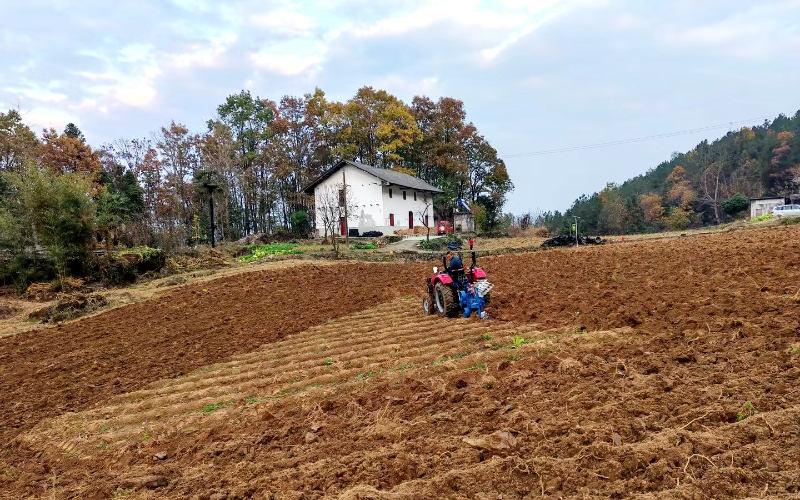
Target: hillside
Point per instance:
(690, 189)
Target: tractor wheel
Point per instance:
(429, 304)
(445, 300)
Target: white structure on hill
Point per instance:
(377, 199)
(764, 206)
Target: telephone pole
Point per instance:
(344, 192)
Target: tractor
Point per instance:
(458, 292)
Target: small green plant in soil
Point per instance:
(478, 366)
(486, 336)
(210, 408)
(748, 410)
(403, 367)
(328, 362)
(518, 342)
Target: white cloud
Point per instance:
(285, 22)
(285, 64)
(405, 87)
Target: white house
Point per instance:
(379, 199)
(764, 206)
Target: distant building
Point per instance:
(385, 200)
(763, 206)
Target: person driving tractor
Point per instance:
(455, 262)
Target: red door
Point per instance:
(341, 226)
(411, 220)
(391, 220)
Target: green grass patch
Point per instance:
(478, 366)
(258, 252)
(762, 218)
(362, 376)
(364, 246)
(790, 221)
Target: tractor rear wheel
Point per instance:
(429, 304)
(445, 299)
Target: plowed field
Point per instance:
(664, 369)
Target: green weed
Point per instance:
(748, 411)
(478, 366)
(362, 376)
(105, 428)
(518, 341)
(486, 336)
(403, 367)
(146, 436)
(328, 362)
(511, 357)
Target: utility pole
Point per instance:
(346, 225)
(576, 229)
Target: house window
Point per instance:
(415, 196)
(390, 192)
(404, 195)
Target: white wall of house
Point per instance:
(363, 189)
(763, 207)
(373, 204)
(401, 207)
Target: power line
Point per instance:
(638, 139)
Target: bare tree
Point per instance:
(711, 183)
(424, 213)
(331, 205)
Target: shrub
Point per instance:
(735, 204)
(372, 234)
(301, 224)
(432, 245)
(363, 246)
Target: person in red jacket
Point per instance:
(471, 242)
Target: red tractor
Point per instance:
(461, 291)
(444, 227)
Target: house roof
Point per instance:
(384, 174)
(770, 198)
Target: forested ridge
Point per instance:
(707, 185)
(253, 159)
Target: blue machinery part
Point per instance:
(463, 205)
(471, 298)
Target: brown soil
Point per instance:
(651, 370)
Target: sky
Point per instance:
(535, 75)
